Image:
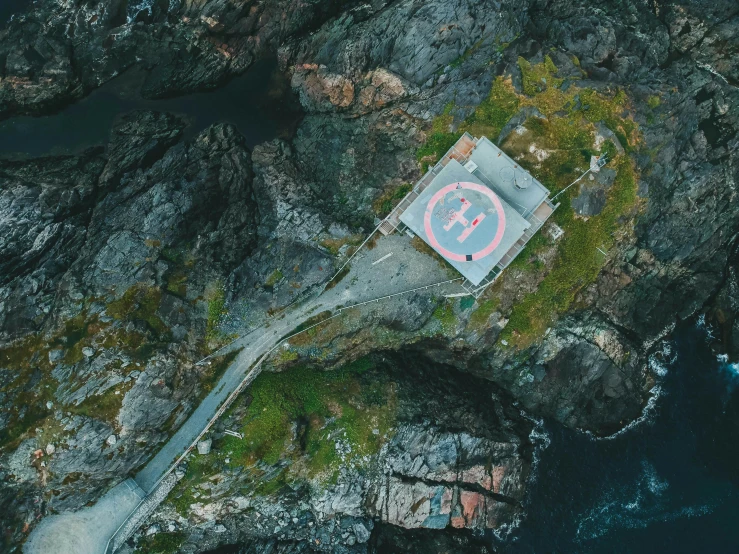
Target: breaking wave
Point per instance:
(504, 531)
(702, 325)
(659, 362)
(540, 440)
(635, 507)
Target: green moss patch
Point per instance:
(177, 283)
(321, 420)
(140, 302)
(538, 78)
(215, 296)
(32, 385)
(480, 317)
(438, 140)
(494, 112)
(390, 198)
(274, 278)
(161, 543)
(578, 261)
(654, 101)
(335, 245)
(105, 406)
(526, 259)
(445, 315)
(563, 142)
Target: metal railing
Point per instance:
(248, 378)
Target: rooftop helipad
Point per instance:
(476, 207)
(465, 221)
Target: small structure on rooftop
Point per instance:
(476, 207)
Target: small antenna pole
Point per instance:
(601, 162)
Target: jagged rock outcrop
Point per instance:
(94, 269)
(172, 220)
(55, 53)
(445, 466)
(44, 207)
(666, 269)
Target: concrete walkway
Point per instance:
(393, 266)
(255, 345)
(404, 269)
(86, 531)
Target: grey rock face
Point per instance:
(91, 228)
(204, 446)
(438, 479)
(42, 207)
(426, 477)
(197, 192)
(370, 77)
(55, 53)
(411, 39)
(592, 197)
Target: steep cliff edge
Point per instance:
(123, 266)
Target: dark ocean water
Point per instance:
(9, 8)
(667, 484)
(259, 102)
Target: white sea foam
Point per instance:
(138, 6)
(701, 324)
(659, 362)
(503, 532)
(540, 439)
(616, 515)
(655, 484)
(635, 506)
(646, 416)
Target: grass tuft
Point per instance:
(216, 298)
(334, 412)
(140, 302)
(566, 137)
(480, 317)
(161, 543)
(389, 199)
(274, 278)
(446, 316)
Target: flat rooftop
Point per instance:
(506, 177)
(466, 220)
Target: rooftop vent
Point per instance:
(522, 180)
(470, 166)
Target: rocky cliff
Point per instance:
(123, 265)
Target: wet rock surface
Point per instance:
(138, 242)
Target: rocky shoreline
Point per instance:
(121, 266)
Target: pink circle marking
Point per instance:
(469, 186)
